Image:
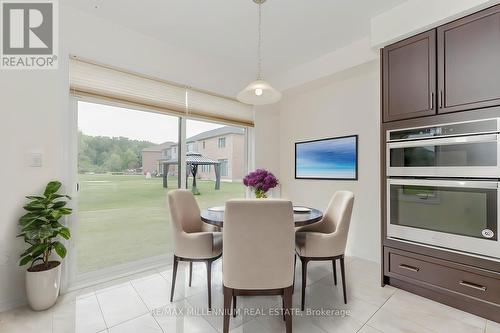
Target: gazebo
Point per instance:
(193, 160)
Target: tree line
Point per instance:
(104, 154)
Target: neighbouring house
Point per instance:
(151, 155)
(225, 144)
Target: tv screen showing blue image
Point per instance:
(335, 158)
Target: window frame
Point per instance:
(71, 280)
(221, 142)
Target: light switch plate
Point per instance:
(36, 160)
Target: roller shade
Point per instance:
(99, 81)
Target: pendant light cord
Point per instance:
(259, 69)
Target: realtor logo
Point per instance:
(29, 34)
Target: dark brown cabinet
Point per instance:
(409, 77)
(469, 62)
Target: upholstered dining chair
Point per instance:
(258, 256)
(192, 243)
(326, 239)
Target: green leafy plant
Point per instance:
(40, 226)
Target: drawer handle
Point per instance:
(472, 285)
(410, 268)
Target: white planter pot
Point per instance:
(42, 288)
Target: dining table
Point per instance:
(301, 215)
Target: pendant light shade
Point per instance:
(259, 92)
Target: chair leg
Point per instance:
(294, 266)
(283, 305)
(334, 265)
(209, 284)
(234, 306)
(174, 275)
(228, 293)
(287, 300)
(342, 272)
(304, 281)
(190, 272)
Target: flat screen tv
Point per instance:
(333, 158)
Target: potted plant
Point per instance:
(260, 181)
(41, 229)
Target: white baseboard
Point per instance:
(119, 271)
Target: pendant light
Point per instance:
(259, 92)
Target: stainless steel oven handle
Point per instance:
(445, 141)
(444, 183)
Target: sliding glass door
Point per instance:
(123, 173)
(128, 161)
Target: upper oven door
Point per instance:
(463, 156)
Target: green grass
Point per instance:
(125, 218)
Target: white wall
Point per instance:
(267, 137)
(354, 54)
(344, 104)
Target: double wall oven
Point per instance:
(443, 186)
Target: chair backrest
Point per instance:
(337, 217)
(184, 211)
(259, 243)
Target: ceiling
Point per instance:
(295, 31)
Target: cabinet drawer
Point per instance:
(455, 277)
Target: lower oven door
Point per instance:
(452, 214)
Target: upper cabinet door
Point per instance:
(409, 77)
(469, 62)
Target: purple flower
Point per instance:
(260, 180)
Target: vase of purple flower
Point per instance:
(260, 181)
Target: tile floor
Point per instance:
(140, 303)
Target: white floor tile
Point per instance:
(64, 317)
(88, 316)
(215, 318)
(181, 317)
(368, 329)
(26, 321)
(143, 324)
(389, 322)
(432, 315)
(154, 290)
(348, 317)
(492, 327)
(275, 324)
(182, 288)
(358, 286)
(121, 304)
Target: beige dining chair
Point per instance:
(258, 256)
(326, 240)
(192, 243)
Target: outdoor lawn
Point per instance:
(123, 218)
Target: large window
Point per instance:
(128, 161)
(122, 212)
